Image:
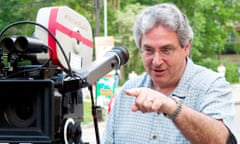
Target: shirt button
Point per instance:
(154, 137)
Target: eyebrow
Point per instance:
(162, 47)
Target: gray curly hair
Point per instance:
(165, 14)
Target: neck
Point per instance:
(167, 88)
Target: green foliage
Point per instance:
(15, 10)
(209, 63)
(124, 24)
(236, 42)
(87, 112)
(232, 75)
(142, 2)
(210, 21)
(229, 48)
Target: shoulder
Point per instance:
(199, 77)
(207, 76)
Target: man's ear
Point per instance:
(187, 48)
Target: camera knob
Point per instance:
(72, 132)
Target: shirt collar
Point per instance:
(183, 84)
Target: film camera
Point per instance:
(41, 79)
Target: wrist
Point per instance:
(173, 115)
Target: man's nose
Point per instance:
(157, 59)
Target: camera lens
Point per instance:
(7, 44)
(21, 113)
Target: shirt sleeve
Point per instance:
(217, 102)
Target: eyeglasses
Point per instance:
(164, 52)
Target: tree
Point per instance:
(14, 10)
(211, 23)
(124, 25)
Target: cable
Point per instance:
(94, 115)
(69, 72)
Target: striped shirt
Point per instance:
(200, 89)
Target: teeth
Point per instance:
(157, 69)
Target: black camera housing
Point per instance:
(33, 111)
(27, 112)
(36, 107)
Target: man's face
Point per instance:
(163, 57)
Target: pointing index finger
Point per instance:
(133, 92)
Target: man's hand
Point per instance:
(148, 100)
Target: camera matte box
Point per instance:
(27, 111)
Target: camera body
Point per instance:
(38, 110)
(39, 104)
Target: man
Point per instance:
(175, 101)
